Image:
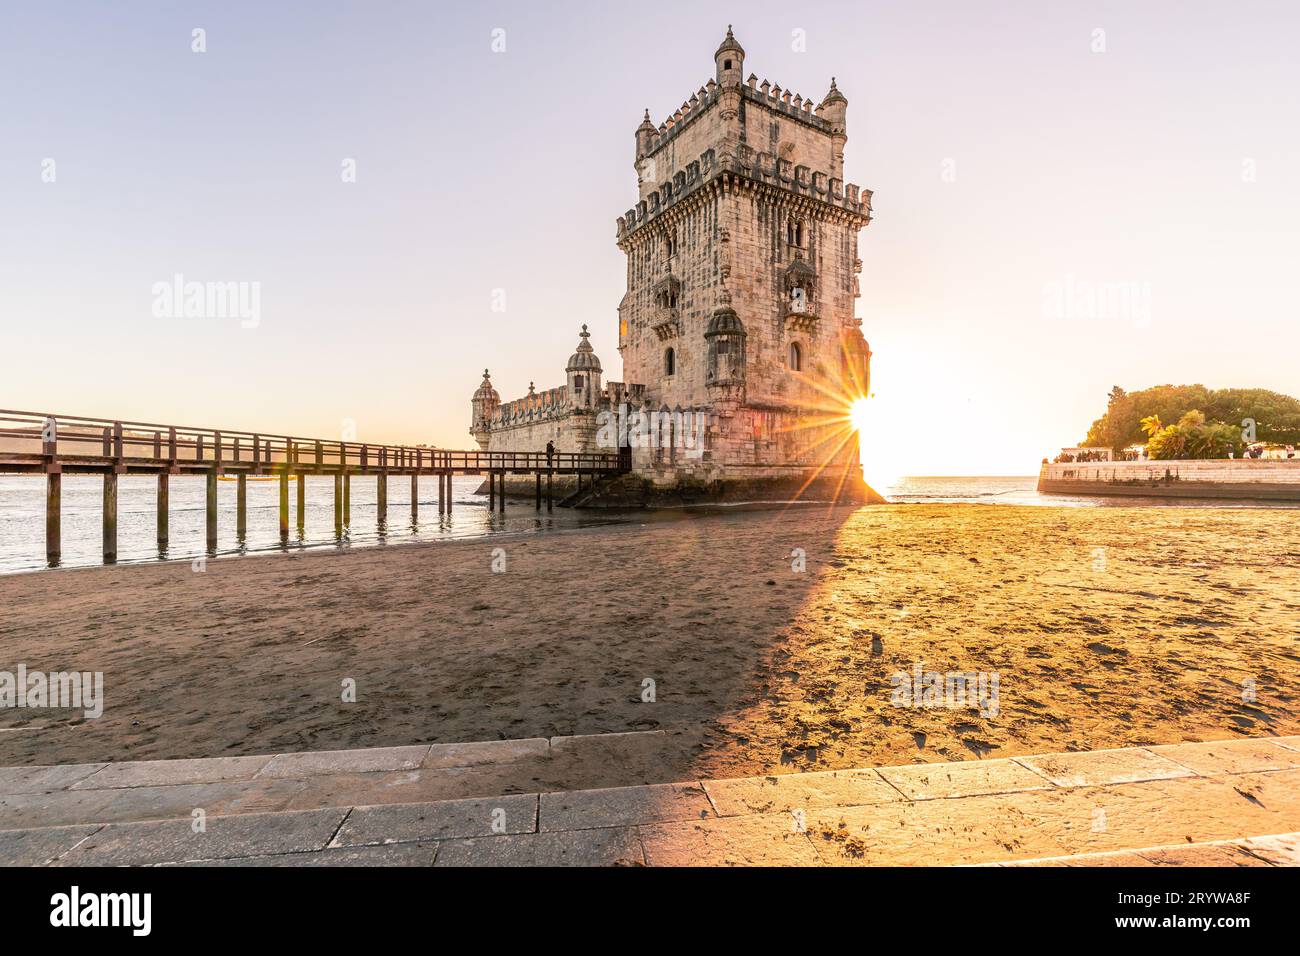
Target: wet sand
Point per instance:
(1107, 627)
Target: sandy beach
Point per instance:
(1106, 627)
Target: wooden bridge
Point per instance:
(55, 445)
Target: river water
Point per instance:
(22, 514)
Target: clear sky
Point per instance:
(1016, 171)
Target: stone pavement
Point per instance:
(1227, 803)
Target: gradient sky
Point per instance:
(1007, 158)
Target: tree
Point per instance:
(1276, 416)
(1192, 437)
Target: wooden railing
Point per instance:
(33, 441)
(52, 445)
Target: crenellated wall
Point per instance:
(759, 166)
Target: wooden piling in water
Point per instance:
(212, 510)
(338, 506)
(53, 517)
(164, 510)
(241, 508)
(160, 451)
(284, 505)
(110, 517)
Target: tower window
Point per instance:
(670, 362)
(796, 357)
(577, 381)
(726, 64)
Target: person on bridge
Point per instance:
(550, 453)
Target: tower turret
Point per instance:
(645, 134)
(725, 335)
(483, 406)
(584, 374)
(834, 110)
(730, 59)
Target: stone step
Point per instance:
(1279, 849)
(1162, 805)
(163, 789)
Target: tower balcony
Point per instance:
(667, 324)
(801, 321)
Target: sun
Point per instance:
(860, 414)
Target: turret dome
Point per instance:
(730, 45)
(723, 322)
(485, 390)
(584, 359)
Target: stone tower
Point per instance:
(742, 271)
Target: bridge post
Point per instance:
(302, 503)
(415, 496)
(442, 494)
(381, 496)
(501, 495)
(110, 517)
(492, 491)
(347, 500)
(212, 510)
(241, 508)
(338, 506)
(550, 489)
(53, 517)
(539, 491)
(451, 496)
(164, 510)
(284, 505)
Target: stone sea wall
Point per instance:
(1265, 479)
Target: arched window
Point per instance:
(670, 362)
(796, 357)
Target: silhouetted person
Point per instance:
(550, 453)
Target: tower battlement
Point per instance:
(760, 167)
